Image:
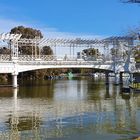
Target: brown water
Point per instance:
(82, 108)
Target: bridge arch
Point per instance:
(31, 67)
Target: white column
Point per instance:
(14, 76)
(131, 77)
(117, 79)
(70, 50)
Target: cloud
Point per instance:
(49, 32)
(55, 33)
(6, 25)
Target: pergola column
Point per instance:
(131, 77)
(121, 77)
(70, 49)
(117, 79)
(107, 78)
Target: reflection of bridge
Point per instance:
(16, 62)
(56, 115)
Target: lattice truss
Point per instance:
(12, 41)
(76, 42)
(15, 41)
(101, 44)
(8, 36)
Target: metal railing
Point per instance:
(5, 57)
(53, 60)
(57, 60)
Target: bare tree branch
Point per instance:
(130, 1)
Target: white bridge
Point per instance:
(28, 63)
(15, 62)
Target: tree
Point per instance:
(91, 53)
(135, 32)
(4, 50)
(26, 32)
(46, 50)
(137, 54)
(30, 33)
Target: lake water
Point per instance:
(81, 108)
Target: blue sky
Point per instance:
(70, 17)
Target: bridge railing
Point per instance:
(64, 63)
(57, 58)
(46, 58)
(36, 58)
(5, 57)
(53, 59)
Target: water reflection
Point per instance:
(37, 89)
(72, 108)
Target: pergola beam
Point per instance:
(8, 37)
(66, 42)
(79, 41)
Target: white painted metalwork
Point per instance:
(17, 62)
(80, 41)
(8, 37)
(4, 58)
(12, 40)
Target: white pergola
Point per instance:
(15, 41)
(12, 41)
(8, 36)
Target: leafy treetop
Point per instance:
(26, 32)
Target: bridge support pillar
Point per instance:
(14, 80)
(107, 78)
(117, 79)
(121, 77)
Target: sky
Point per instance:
(58, 18)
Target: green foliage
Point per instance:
(26, 32)
(30, 33)
(46, 50)
(5, 50)
(3, 78)
(119, 53)
(137, 55)
(91, 52)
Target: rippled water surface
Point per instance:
(83, 109)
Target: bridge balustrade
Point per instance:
(46, 58)
(5, 57)
(63, 63)
(53, 60)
